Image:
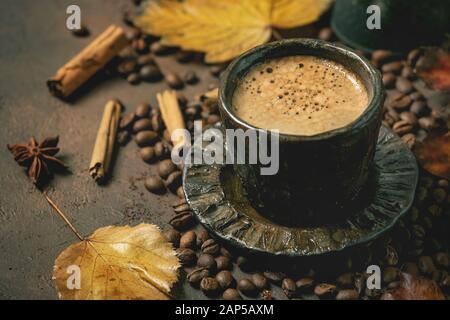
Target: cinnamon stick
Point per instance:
(171, 115)
(104, 144)
(86, 63)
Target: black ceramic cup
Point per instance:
(320, 176)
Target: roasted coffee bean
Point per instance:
(244, 264)
(161, 151)
(439, 195)
(409, 139)
(213, 119)
(260, 281)
(443, 183)
(403, 85)
(183, 56)
(123, 137)
(142, 110)
(165, 168)
(180, 192)
(217, 69)
(150, 73)
(395, 67)
(179, 202)
(435, 210)
(381, 56)
(140, 46)
(413, 56)
(442, 259)
(188, 240)
(182, 220)
(225, 279)
(157, 123)
(289, 287)
(173, 80)
(391, 256)
(127, 121)
(325, 34)
(182, 207)
(388, 80)
(126, 67)
(128, 53)
(347, 294)
(445, 282)
(173, 236)
(187, 256)
(190, 77)
(223, 263)
(416, 96)
(426, 265)
(391, 116)
(390, 274)
(210, 247)
(400, 102)
(226, 253)
(418, 231)
(133, 78)
(142, 125)
(427, 123)
(408, 73)
(402, 127)
(145, 59)
(419, 108)
(274, 277)
(410, 117)
(173, 181)
(159, 49)
(209, 286)
(246, 287)
(202, 236)
(324, 290)
(304, 284)
(155, 185)
(182, 99)
(147, 154)
(195, 276)
(146, 138)
(360, 283)
(372, 293)
(207, 261)
(231, 294)
(346, 280)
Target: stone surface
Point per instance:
(35, 43)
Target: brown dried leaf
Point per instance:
(224, 29)
(434, 154)
(411, 288)
(119, 263)
(434, 68)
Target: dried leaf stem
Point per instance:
(63, 216)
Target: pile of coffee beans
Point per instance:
(407, 111)
(418, 245)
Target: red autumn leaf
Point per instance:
(434, 68)
(411, 288)
(434, 154)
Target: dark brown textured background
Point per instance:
(34, 43)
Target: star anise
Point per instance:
(38, 159)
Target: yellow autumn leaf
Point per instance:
(118, 263)
(224, 29)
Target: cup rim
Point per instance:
(373, 106)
